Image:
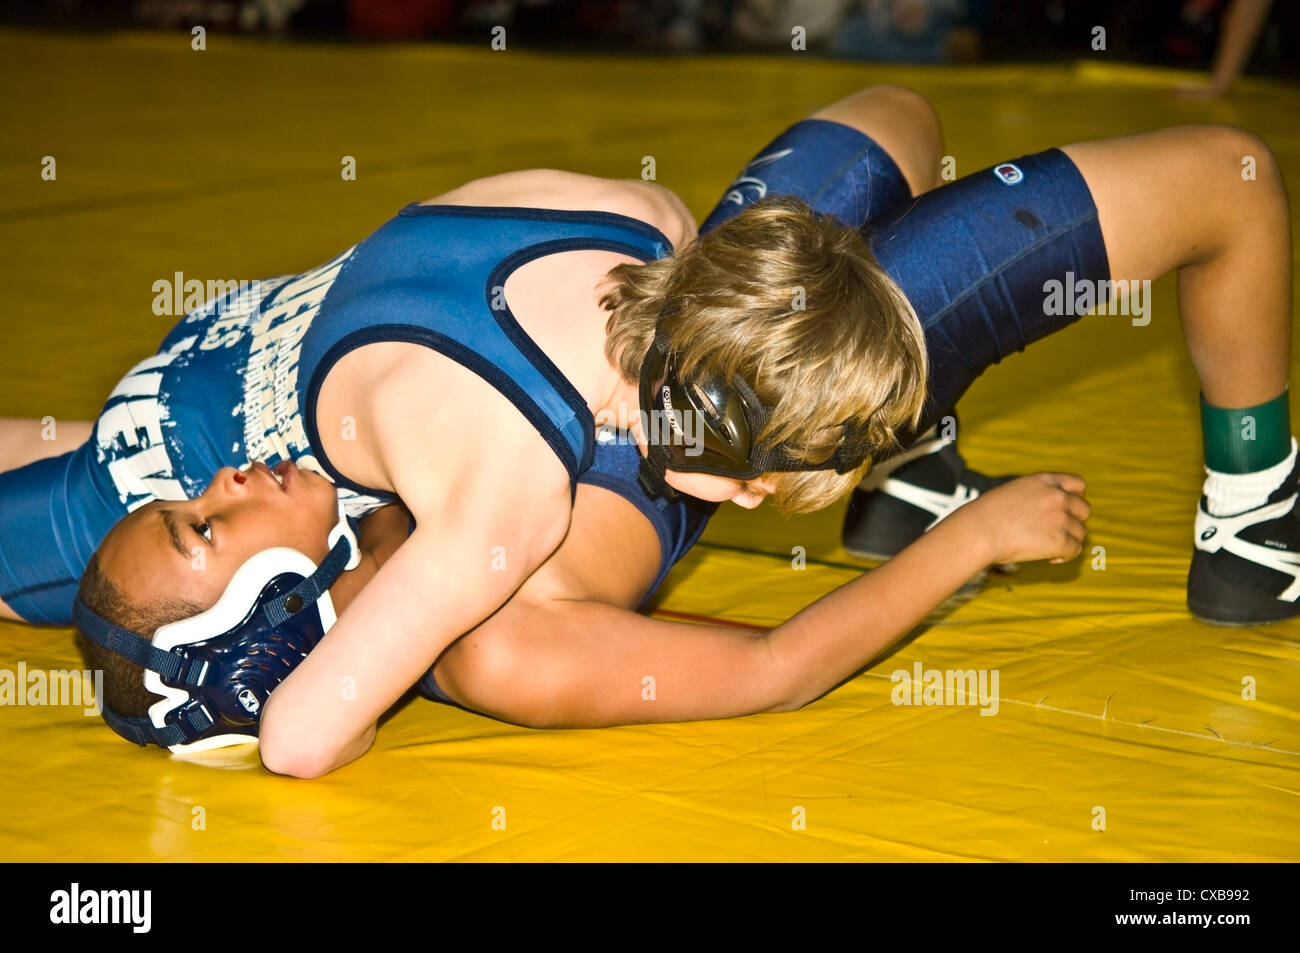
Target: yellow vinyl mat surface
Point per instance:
(1113, 704)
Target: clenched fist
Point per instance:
(1039, 516)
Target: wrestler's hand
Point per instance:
(1040, 516)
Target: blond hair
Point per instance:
(792, 301)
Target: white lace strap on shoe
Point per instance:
(879, 472)
(1213, 533)
(932, 501)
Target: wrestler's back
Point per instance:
(554, 298)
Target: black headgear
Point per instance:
(729, 417)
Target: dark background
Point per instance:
(1178, 33)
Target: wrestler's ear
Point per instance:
(124, 690)
(752, 493)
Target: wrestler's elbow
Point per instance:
(290, 753)
(294, 750)
(788, 703)
(282, 756)
(781, 686)
(791, 689)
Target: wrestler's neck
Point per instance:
(378, 537)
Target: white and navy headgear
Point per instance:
(215, 670)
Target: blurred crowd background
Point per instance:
(1168, 32)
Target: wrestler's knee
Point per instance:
(903, 101)
(910, 101)
(901, 121)
(1243, 152)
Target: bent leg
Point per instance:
(1179, 199)
(856, 159)
(903, 123)
(1123, 209)
(1210, 202)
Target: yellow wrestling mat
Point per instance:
(226, 163)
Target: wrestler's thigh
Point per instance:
(51, 519)
(973, 258)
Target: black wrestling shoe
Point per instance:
(903, 497)
(1246, 568)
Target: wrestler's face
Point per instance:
(705, 486)
(716, 489)
(190, 549)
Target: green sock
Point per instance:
(1247, 439)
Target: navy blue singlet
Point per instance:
(435, 275)
(237, 379)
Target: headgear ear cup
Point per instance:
(730, 416)
(343, 531)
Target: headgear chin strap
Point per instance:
(728, 418)
(215, 670)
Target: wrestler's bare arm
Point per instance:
(568, 656)
(481, 531)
